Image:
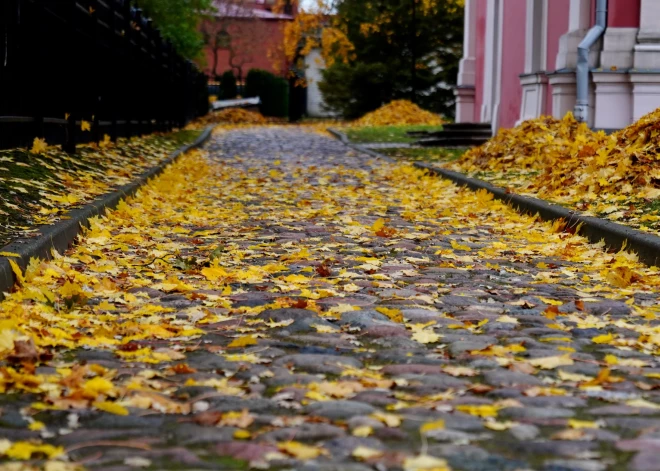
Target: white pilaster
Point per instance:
(578, 24)
(492, 65)
(534, 88)
(466, 67)
(465, 91)
(646, 93)
(618, 48)
(534, 81)
(534, 37)
(649, 22)
(564, 95)
(647, 52)
(614, 100)
(465, 104)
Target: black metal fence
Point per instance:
(63, 62)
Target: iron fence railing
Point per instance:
(65, 62)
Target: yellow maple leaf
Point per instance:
(39, 146)
(98, 385)
(242, 435)
(499, 426)
(549, 363)
(106, 306)
(394, 314)
(36, 425)
(458, 246)
(481, 410)
(300, 450)
(111, 407)
(214, 273)
(85, 126)
(425, 463)
(391, 420)
(324, 329)
(378, 225)
(70, 290)
(605, 338)
(430, 426)
(17, 272)
(580, 424)
(25, 450)
(244, 341)
(362, 452)
(425, 336)
(362, 431)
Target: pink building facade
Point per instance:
(519, 60)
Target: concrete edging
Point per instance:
(60, 236)
(344, 139)
(616, 236)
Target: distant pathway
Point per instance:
(355, 315)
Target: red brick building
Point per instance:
(243, 35)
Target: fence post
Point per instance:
(98, 97)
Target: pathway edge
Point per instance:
(616, 236)
(61, 235)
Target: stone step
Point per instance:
(466, 141)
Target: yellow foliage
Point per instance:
(398, 113)
(232, 116)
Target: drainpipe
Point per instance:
(582, 104)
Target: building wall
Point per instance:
(557, 26)
(625, 77)
(623, 13)
(258, 49)
(513, 61)
(482, 6)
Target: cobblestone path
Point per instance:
(281, 302)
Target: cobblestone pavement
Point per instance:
(355, 315)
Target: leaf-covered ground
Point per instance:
(278, 301)
(615, 177)
(40, 186)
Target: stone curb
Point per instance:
(616, 236)
(60, 236)
(344, 139)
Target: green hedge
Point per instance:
(228, 87)
(273, 91)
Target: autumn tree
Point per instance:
(400, 49)
(178, 22)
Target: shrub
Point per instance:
(273, 91)
(228, 88)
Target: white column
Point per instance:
(649, 24)
(646, 93)
(647, 52)
(465, 91)
(533, 37)
(578, 24)
(614, 100)
(466, 67)
(534, 82)
(492, 65)
(618, 48)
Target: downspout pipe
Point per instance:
(581, 111)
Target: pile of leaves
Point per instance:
(40, 185)
(398, 112)
(564, 161)
(232, 116)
